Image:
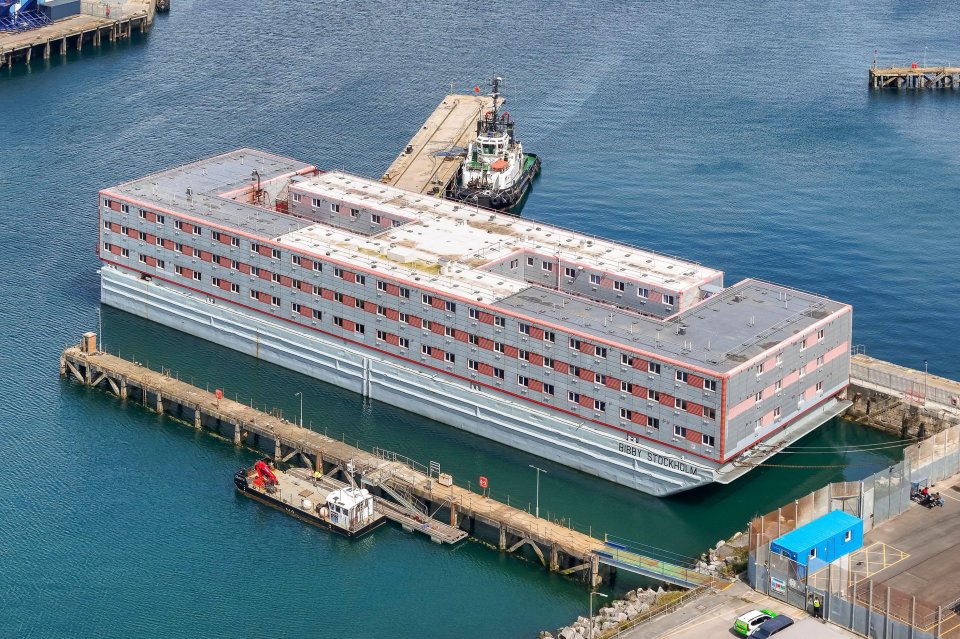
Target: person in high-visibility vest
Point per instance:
(817, 610)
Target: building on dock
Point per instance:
(915, 77)
(630, 365)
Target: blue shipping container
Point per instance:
(821, 541)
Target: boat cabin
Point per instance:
(350, 508)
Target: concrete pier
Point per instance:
(407, 483)
(113, 22)
(452, 124)
(903, 401)
(915, 77)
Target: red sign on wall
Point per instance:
(483, 481)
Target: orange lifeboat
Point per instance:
(499, 165)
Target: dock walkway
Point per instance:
(453, 124)
(559, 548)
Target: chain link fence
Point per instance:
(849, 598)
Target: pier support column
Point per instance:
(237, 435)
(159, 403)
(63, 46)
(503, 537)
(277, 449)
(63, 360)
(88, 376)
(46, 51)
(453, 514)
(197, 415)
(554, 557)
(595, 579)
(96, 37)
(123, 389)
(29, 53)
(80, 42)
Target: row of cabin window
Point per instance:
(778, 385)
(427, 299)
(778, 410)
(803, 346)
(335, 208)
(595, 278)
(522, 380)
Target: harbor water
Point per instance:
(740, 135)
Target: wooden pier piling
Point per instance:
(90, 26)
(915, 77)
(569, 551)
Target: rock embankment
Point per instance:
(725, 559)
(635, 604)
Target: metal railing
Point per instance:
(655, 613)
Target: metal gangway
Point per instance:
(656, 563)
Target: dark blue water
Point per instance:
(739, 134)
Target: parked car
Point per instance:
(750, 621)
(772, 626)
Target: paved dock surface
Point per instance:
(930, 542)
(712, 616)
(452, 124)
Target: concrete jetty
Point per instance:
(453, 124)
(97, 22)
(903, 401)
(559, 548)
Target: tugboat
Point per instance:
(496, 174)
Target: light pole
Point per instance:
(539, 470)
(924, 382)
(300, 395)
(592, 593)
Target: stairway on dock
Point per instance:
(409, 518)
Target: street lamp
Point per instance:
(539, 470)
(300, 395)
(592, 593)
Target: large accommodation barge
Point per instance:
(627, 364)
